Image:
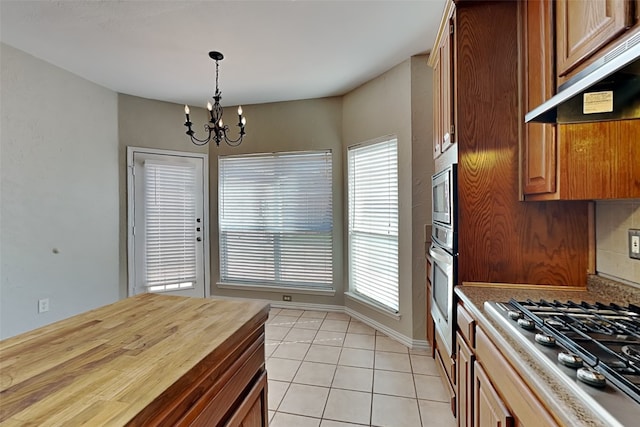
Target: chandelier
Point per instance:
(216, 128)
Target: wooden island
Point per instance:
(146, 360)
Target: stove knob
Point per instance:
(591, 377)
(527, 324)
(545, 340)
(514, 315)
(570, 360)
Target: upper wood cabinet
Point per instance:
(583, 27)
(442, 61)
(537, 60)
(572, 161)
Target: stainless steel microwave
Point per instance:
(443, 188)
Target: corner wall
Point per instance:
(613, 220)
(59, 181)
(383, 106)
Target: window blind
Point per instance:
(170, 230)
(276, 219)
(373, 221)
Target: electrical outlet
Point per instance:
(286, 297)
(43, 305)
(634, 243)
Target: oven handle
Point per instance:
(440, 255)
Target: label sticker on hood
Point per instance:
(598, 102)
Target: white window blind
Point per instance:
(373, 221)
(276, 219)
(170, 230)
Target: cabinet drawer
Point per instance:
(466, 325)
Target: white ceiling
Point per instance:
(274, 50)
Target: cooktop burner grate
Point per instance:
(606, 337)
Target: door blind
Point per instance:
(373, 221)
(170, 230)
(276, 219)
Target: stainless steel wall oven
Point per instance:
(443, 253)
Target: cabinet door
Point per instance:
(464, 384)
(539, 140)
(447, 90)
(585, 26)
(437, 106)
(488, 408)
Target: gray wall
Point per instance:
(59, 182)
(613, 220)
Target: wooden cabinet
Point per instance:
(570, 161)
(584, 27)
(488, 409)
(538, 77)
(442, 61)
(490, 392)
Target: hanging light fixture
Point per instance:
(216, 128)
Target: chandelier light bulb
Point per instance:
(186, 109)
(239, 110)
(220, 124)
(243, 121)
(209, 106)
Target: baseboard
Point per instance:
(409, 342)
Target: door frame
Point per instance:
(131, 214)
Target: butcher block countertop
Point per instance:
(119, 363)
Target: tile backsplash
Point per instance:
(613, 219)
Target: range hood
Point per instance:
(608, 89)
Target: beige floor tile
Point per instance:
(334, 325)
(366, 342)
(335, 339)
(323, 354)
(356, 357)
(313, 314)
(392, 361)
(393, 411)
(393, 383)
(420, 351)
(285, 321)
(424, 365)
(274, 311)
(337, 316)
(276, 391)
(349, 406)
(330, 423)
(300, 335)
(430, 388)
(289, 420)
(270, 347)
(291, 350)
(389, 344)
(351, 378)
(304, 400)
(271, 414)
(436, 414)
(356, 327)
(291, 312)
(275, 333)
(282, 369)
(308, 323)
(312, 373)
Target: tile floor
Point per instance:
(329, 370)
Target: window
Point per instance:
(276, 219)
(373, 222)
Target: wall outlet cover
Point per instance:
(634, 243)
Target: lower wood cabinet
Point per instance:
(488, 408)
(489, 391)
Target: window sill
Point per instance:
(278, 289)
(372, 305)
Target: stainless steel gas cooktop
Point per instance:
(593, 348)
